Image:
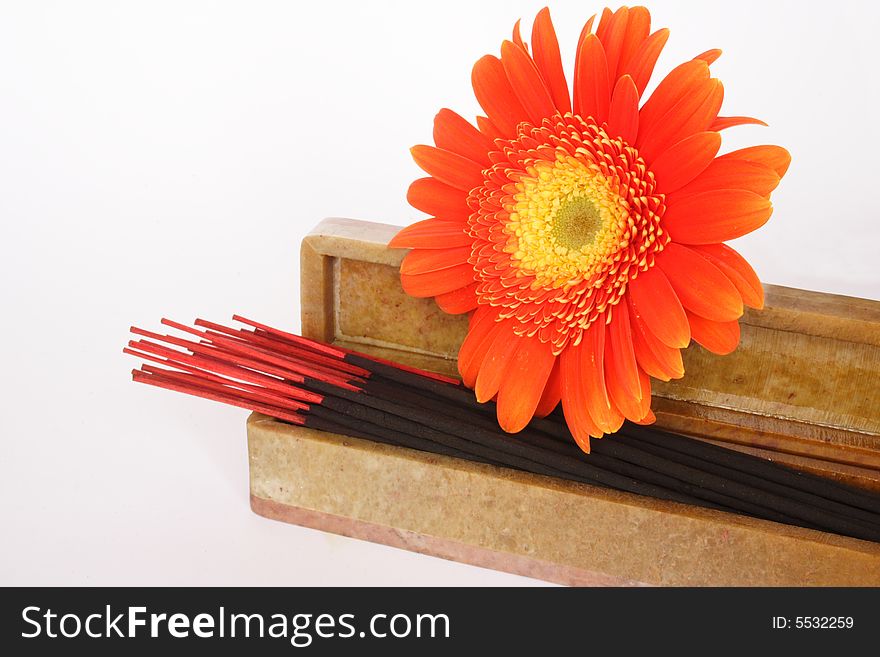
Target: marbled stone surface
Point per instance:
(537, 526)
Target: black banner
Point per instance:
(434, 621)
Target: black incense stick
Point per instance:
(753, 480)
(631, 452)
(826, 488)
(323, 387)
(642, 471)
(750, 465)
(442, 430)
(618, 457)
(323, 420)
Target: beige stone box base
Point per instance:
(559, 531)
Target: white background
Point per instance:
(166, 158)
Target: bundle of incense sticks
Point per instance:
(312, 384)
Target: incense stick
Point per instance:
(647, 466)
(691, 469)
(311, 384)
(737, 461)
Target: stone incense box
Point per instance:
(802, 390)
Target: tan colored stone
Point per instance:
(531, 525)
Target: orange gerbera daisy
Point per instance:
(585, 233)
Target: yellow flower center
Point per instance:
(577, 222)
(566, 223)
(565, 218)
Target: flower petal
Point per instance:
(527, 83)
(633, 406)
(656, 304)
(646, 358)
(641, 66)
(481, 332)
(439, 199)
(454, 133)
(604, 21)
(585, 32)
(657, 359)
(682, 82)
(494, 367)
(488, 128)
(702, 287)
(692, 114)
(496, 96)
(710, 56)
(545, 51)
(448, 167)
(592, 93)
(680, 164)
(638, 28)
(592, 352)
(437, 282)
(724, 122)
(575, 397)
(775, 157)
(458, 302)
(738, 270)
(731, 174)
(620, 359)
(612, 39)
(552, 393)
(431, 234)
(623, 113)
(517, 35)
(523, 384)
(716, 216)
(645, 382)
(718, 337)
(425, 261)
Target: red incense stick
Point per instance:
(308, 383)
